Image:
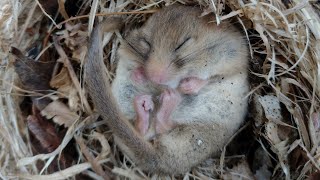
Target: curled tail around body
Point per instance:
(99, 90)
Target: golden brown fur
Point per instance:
(206, 120)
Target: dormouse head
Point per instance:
(177, 42)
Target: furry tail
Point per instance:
(100, 92)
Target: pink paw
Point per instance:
(169, 100)
(191, 85)
(138, 75)
(143, 105)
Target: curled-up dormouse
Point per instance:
(179, 90)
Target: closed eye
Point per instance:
(183, 43)
(137, 48)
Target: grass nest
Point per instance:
(65, 139)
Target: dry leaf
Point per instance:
(79, 53)
(60, 113)
(272, 110)
(303, 132)
(49, 139)
(44, 132)
(63, 83)
(106, 149)
(271, 130)
(74, 36)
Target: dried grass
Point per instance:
(285, 49)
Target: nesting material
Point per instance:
(284, 115)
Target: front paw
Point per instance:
(191, 85)
(143, 104)
(169, 100)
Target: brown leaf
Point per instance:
(79, 53)
(45, 138)
(60, 113)
(72, 74)
(44, 132)
(297, 158)
(74, 37)
(299, 120)
(61, 80)
(34, 75)
(63, 83)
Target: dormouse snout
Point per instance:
(158, 78)
(157, 72)
(158, 75)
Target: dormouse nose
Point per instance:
(157, 72)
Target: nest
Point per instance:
(280, 139)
